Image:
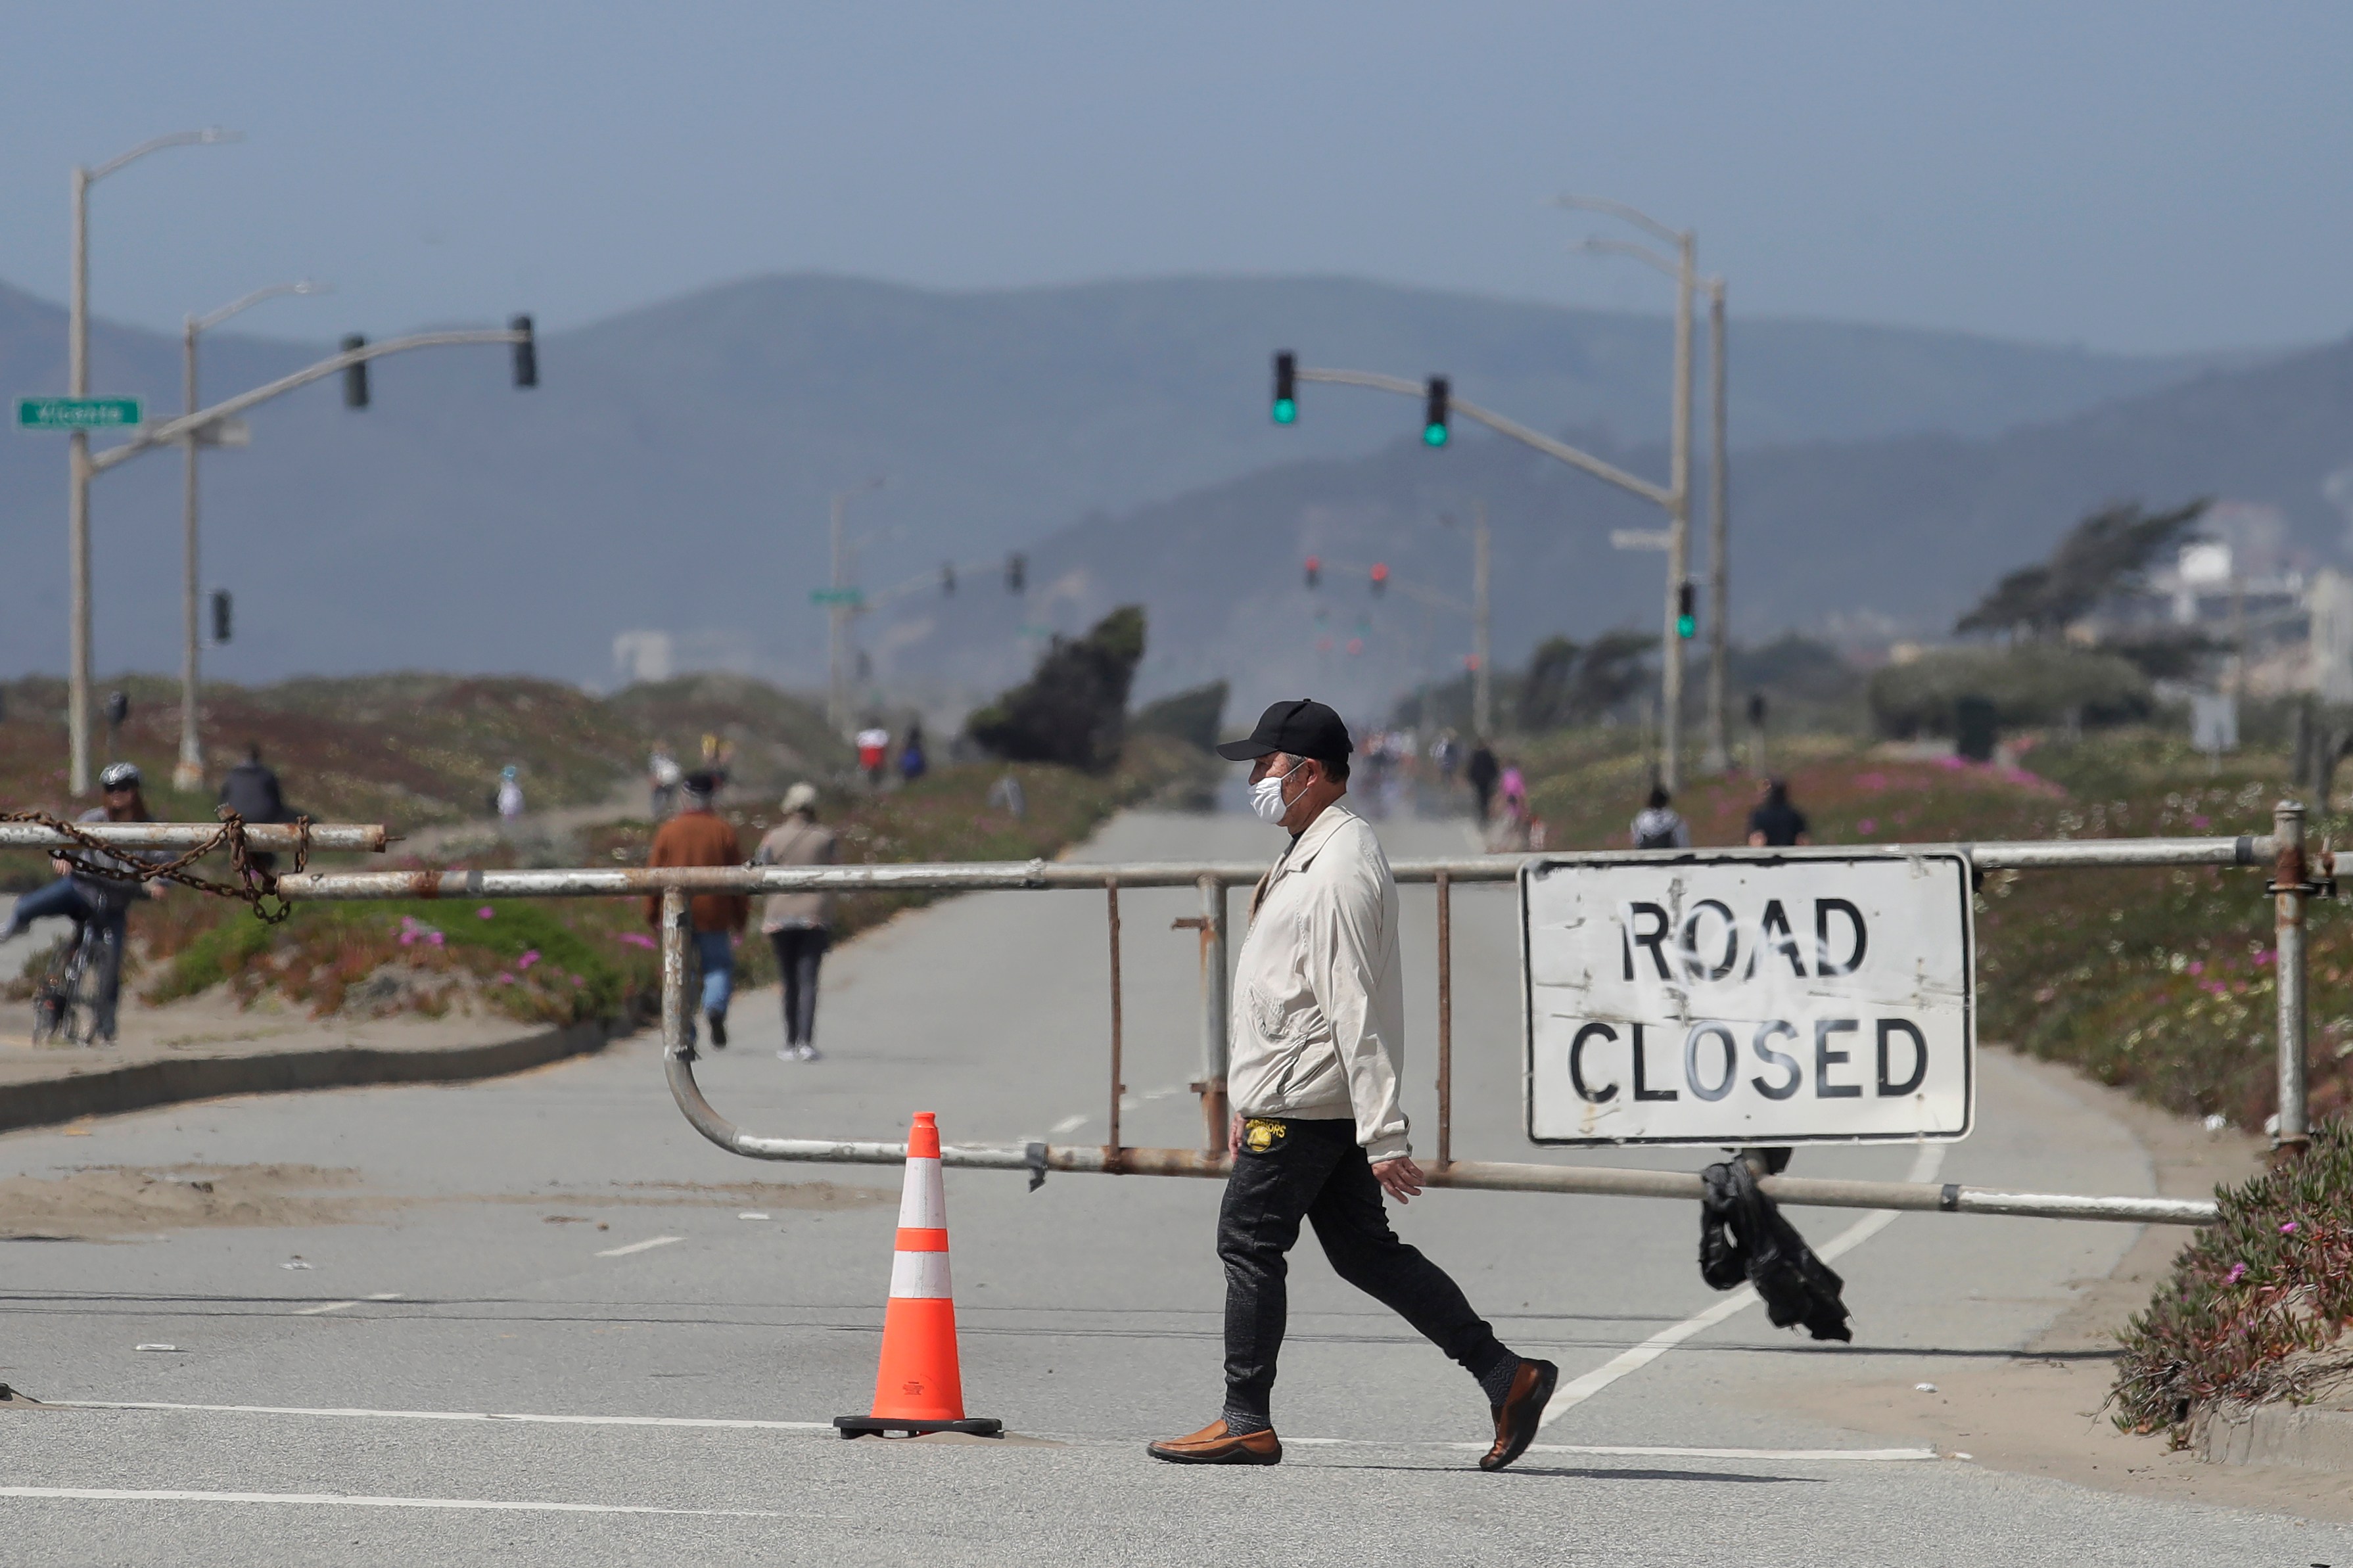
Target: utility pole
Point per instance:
(77, 464)
(1671, 692)
(1719, 568)
(1483, 705)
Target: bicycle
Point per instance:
(67, 1004)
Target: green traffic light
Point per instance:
(1286, 412)
(1433, 435)
(1685, 625)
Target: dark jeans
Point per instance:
(1318, 1173)
(799, 951)
(67, 897)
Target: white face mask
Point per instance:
(1266, 797)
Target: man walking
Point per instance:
(699, 836)
(1482, 772)
(798, 925)
(1318, 1031)
(251, 790)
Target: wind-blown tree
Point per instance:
(1073, 708)
(2105, 555)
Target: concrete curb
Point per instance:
(2230, 1433)
(142, 1084)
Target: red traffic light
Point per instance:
(1314, 570)
(1380, 575)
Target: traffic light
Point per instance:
(1314, 570)
(1686, 610)
(220, 615)
(1380, 576)
(1286, 390)
(527, 352)
(1434, 412)
(1017, 573)
(355, 375)
(947, 579)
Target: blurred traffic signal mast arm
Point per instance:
(1436, 393)
(171, 432)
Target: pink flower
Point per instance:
(434, 937)
(528, 959)
(2201, 822)
(578, 981)
(2238, 1271)
(2288, 1229)
(485, 912)
(504, 978)
(637, 938)
(2197, 966)
(1868, 825)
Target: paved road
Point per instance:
(471, 1275)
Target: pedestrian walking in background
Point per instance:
(873, 751)
(508, 797)
(699, 836)
(1659, 826)
(798, 926)
(1775, 824)
(251, 790)
(913, 764)
(1318, 1031)
(1482, 771)
(663, 776)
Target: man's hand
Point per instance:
(1234, 1135)
(61, 866)
(1400, 1177)
(156, 889)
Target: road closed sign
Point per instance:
(1802, 997)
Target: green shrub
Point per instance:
(2039, 683)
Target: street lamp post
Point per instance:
(1683, 269)
(78, 466)
(838, 612)
(189, 774)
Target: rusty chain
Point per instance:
(253, 883)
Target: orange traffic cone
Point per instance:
(919, 1387)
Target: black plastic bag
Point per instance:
(1742, 1236)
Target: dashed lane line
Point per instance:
(645, 1245)
(1569, 1396)
(348, 1500)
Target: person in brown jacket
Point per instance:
(699, 836)
(798, 925)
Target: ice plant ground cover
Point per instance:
(2257, 1305)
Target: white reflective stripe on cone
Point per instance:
(924, 1201)
(920, 1274)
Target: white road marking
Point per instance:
(1616, 1451)
(346, 1500)
(639, 1246)
(363, 1415)
(1859, 1456)
(1569, 1396)
(339, 1306)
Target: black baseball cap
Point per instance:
(1304, 728)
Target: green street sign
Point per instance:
(76, 413)
(836, 597)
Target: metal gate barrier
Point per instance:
(2282, 852)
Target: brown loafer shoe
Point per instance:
(1523, 1408)
(1213, 1445)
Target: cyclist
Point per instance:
(91, 895)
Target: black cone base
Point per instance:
(883, 1425)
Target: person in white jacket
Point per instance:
(1318, 1134)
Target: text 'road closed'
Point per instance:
(1732, 1000)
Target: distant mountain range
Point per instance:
(671, 471)
(1853, 540)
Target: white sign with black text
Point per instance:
(1808, 996)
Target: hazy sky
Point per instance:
(2138, 176)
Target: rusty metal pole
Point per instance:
(1445, 1021)
(1110, 1148)
(673, 975)
(2289, 900)
(1212, 1085)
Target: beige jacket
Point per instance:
(1318, 1025)
(794, 842)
